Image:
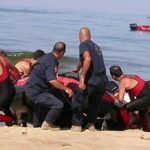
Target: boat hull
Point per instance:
(143, 28)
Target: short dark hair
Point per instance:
(115, 71)
(59, 47)
(3, 53)
(38, 53)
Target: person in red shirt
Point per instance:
(7, 89)
(139, 92)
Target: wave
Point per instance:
(40, 11)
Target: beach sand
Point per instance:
(19, 138)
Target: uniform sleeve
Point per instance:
(83, 47)
(50, 73)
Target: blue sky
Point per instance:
(119, 6)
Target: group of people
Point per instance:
(42, 70)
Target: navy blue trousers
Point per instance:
(88, 98)
(47, 107)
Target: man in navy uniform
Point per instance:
(92, 80)
(41, 82)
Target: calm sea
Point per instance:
(30, 30)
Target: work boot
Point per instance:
(49, 126)
(91, 127)
(76, 128)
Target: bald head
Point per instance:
(84, 34)
(59, 47)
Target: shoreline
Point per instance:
(67, 63)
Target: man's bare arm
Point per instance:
(122, 90)
(27, 70)
(86, 64)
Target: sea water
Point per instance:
(28, 30)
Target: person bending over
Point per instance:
(139, 92)
(42, 81)
(25, 65)
(7, 89)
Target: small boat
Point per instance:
(135, 27)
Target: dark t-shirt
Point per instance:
(42, 74)
(97, 68)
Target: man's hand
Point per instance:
(121, 104)
(82, 85)
(58, 85)
(69, 91)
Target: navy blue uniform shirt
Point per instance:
(97, 68)
(42, 74)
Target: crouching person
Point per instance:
(136, 87)
(42, 81)
(7, 89)
(19, 106)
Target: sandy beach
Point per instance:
(19, 138)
